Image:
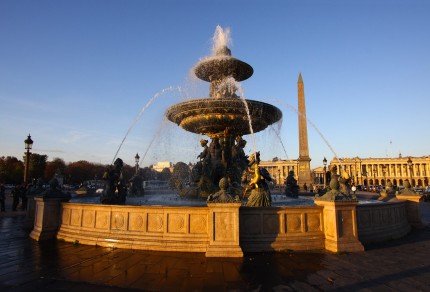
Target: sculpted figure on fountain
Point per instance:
(256, 179)
(115, 191)
(291, 186)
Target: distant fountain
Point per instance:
(224, 117)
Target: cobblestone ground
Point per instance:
(28, 265)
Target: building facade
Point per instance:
(362, 171)
(379, 171)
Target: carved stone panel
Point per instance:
(176, 223)
(119, 221)
(224, 226)
(294, 223)
(270, 223)
(102, 219)
(88, 218)
(250, 224)
(136, 222)
(155, 222)
(65, 219)
(313, 222)
(76, 217)
(198, 224)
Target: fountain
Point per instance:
(223, 227)
(224, 117)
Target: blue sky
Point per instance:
(76, 74)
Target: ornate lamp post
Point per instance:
(356, 172)
(136, 159)
(325, 169)
(28, 145)
(410, 168)
(279, 177)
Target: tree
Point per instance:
(11, 170)
(56, 165)
(165, 174)
(148, 173)
(182, 171)
(80, 171)
(37, 165)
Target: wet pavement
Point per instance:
(28, 265)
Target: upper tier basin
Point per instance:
(212, 117)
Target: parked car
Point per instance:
(418, 190)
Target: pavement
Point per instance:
(28, 265)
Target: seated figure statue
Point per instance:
(388, 194)
(335, 193)
(223, 195)
(291, 186)
(54, 190)
(407, 191)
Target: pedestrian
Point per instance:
(16, 193)
(2, 197)
(24, 191)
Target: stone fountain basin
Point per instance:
(212, 116)
(218, 67)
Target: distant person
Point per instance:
(305, 187)
(16, 193)
(2, 197)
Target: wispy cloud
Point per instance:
(74, 137)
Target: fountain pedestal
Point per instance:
(47, 219)
(224, 230)
(340, 226)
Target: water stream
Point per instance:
(171, 88)
(292, 108)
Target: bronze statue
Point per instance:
(256, 179)
(291, 186)
(115, 191)
(388, 194)
(223, 195)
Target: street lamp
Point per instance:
(325, 168)
(136, 159)
(410, 168)
(279, 177)
(28, 145)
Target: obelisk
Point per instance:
(304, 162)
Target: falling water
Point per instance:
(156, 135)
(313, 125)
(277, 130)
(171, 88)
(232, 85)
